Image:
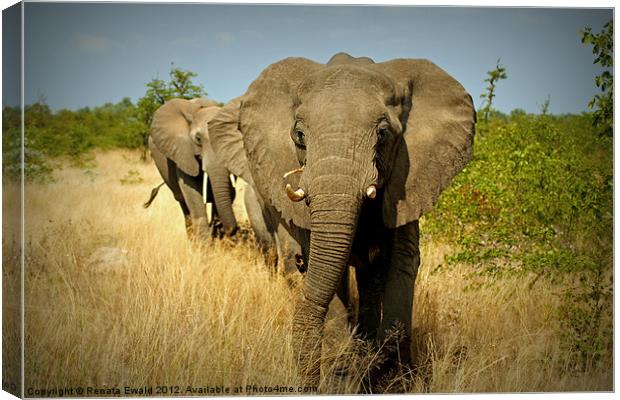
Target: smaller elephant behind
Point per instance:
(180, 147)
(273, 235)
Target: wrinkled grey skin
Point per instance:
(180, 147)
(403, 128)
(270, 234)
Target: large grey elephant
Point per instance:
(179, 144)
(350, 154)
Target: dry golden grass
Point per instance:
(11, 290)
(175, 314)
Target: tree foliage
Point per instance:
(49, 137)
(537, 200)
(180, 85)
(494, 76)
(52, 136)
(603, 104)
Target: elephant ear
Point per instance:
(265, 118)
(437, 140)
(227, 141)
(202, 117)
(170, 133)
(199, 127)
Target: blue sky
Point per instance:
(88, 54)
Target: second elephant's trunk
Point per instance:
(223, 193)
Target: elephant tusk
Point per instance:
(232, 179)
(294, 171)
(205, 183)
(371, 192)
(295, 195)
(209, 213)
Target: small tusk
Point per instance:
(232, 179)
(209, 213)
(295, 195)
(295, 171)
(371, 192)
(205, 183)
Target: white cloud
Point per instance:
(187, 41)
(225, 37)
(93, 44)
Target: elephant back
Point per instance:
(345, 58)
(205, 102)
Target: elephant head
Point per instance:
(395, 132)
(180, 131)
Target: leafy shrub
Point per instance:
(65, 133)
(74, 134)
(603, 104)
(158, 91)
(537, 198)
(36, 166)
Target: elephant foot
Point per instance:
(217, 229)
(197, 230)
(339, 378)
(189, 228)
(391, 363)
(299, 263)
(270, 257)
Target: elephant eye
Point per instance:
(383, 130)
(196, 137)
(298, 135)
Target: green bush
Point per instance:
(50, 136)
(65, 133)
(538, 198)
(36, 166)
(603, 103)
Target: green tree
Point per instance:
(495, 75)
(544, 107)
(603, 104)
(180, 85)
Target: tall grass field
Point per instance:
(160, 313)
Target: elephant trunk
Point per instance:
(336, 191)
(223, 194)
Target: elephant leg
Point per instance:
(187, 219)
(265, 236)
(347, 292)
(191, 188)
(343, 291)
(288, 251)
(400, 280)
(370, 286)
(168, 171)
